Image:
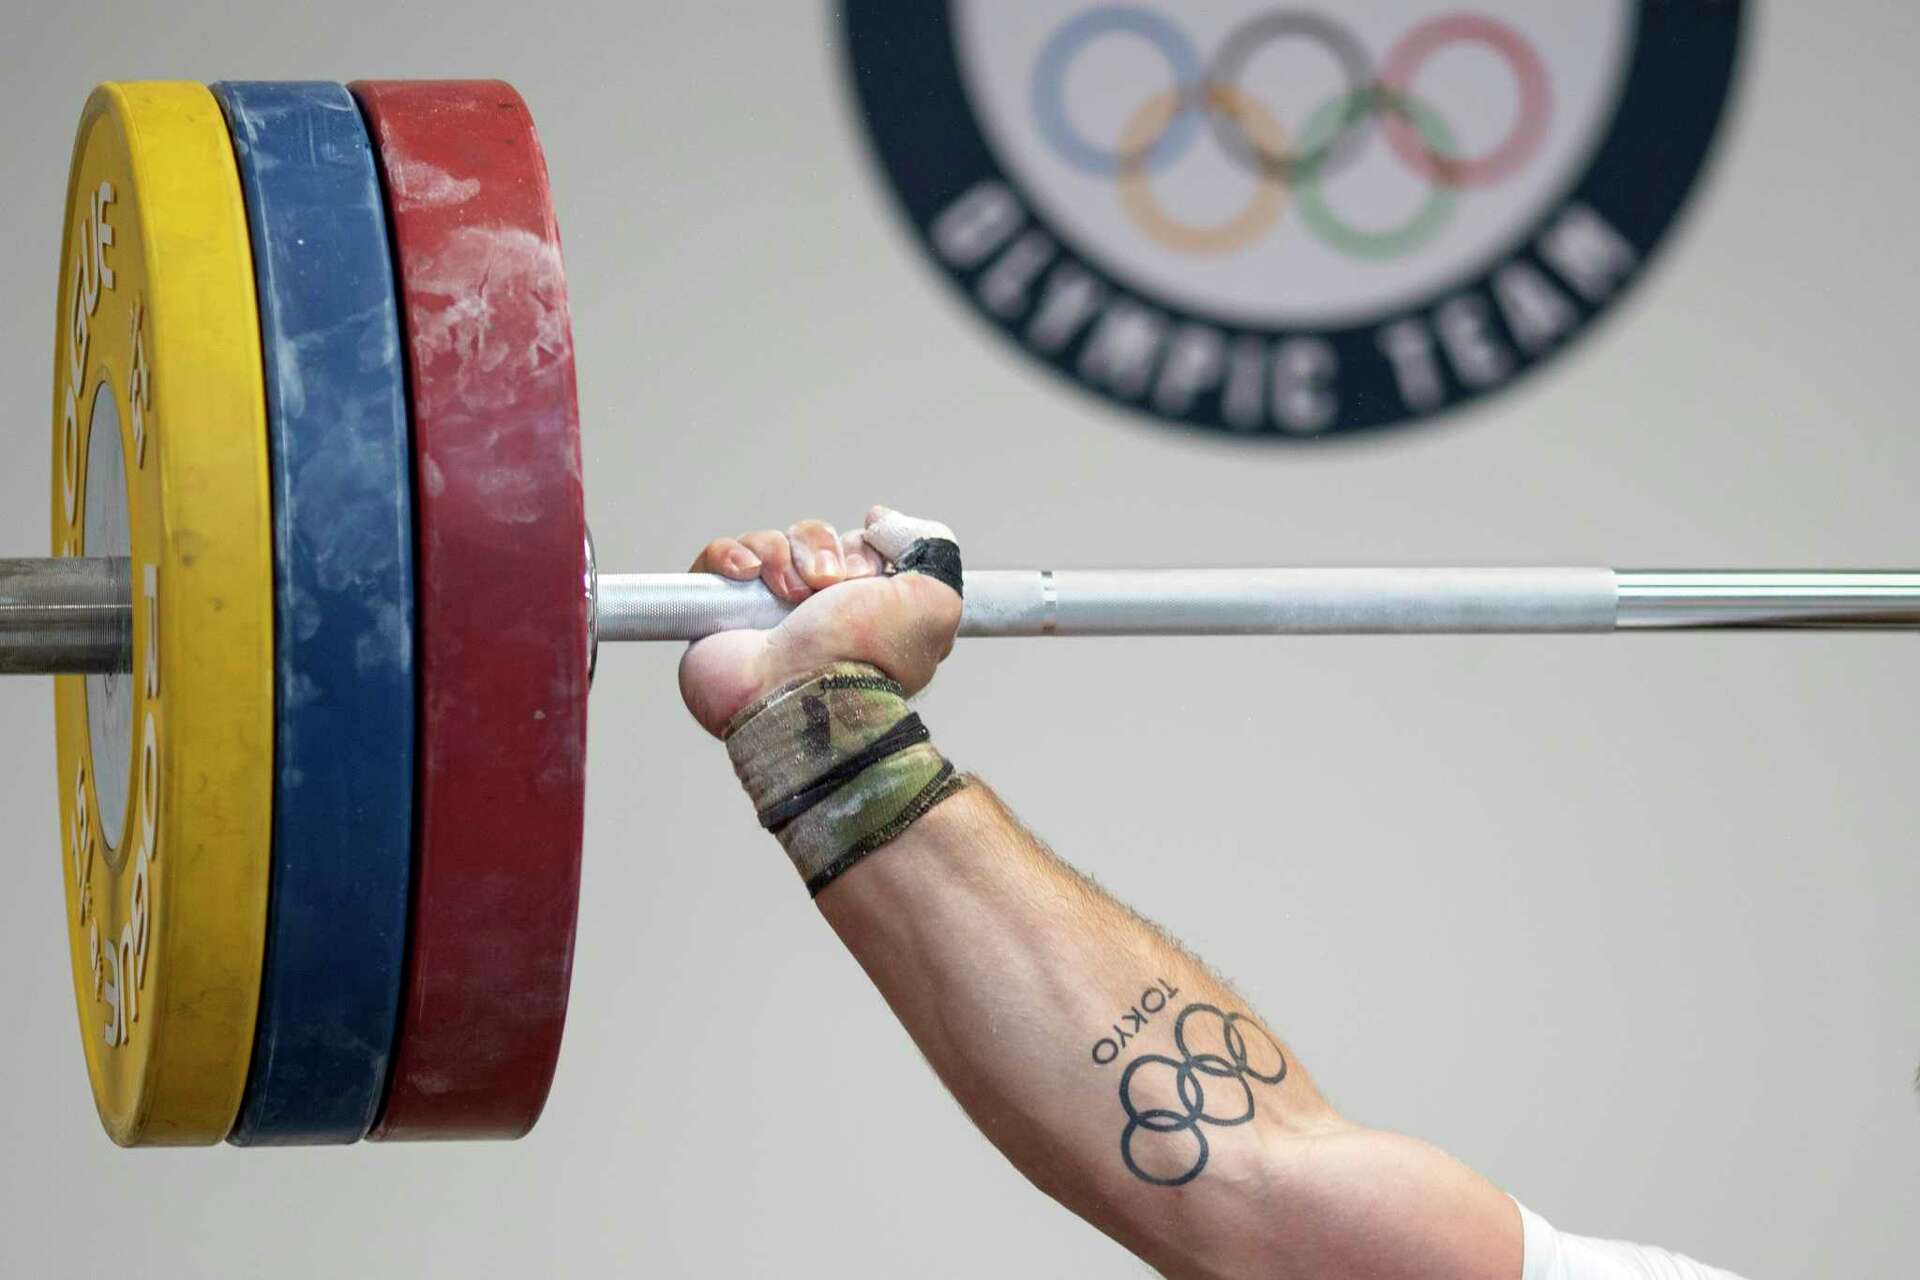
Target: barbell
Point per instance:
(74, 616)
(323, 610)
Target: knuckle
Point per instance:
(813, 531)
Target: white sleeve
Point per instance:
(1551, 1255)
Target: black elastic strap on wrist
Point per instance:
(908, 732)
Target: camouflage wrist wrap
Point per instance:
(837, 766)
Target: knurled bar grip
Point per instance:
(73, 616)
(1164, 602)
(65, 616)
(1335, 601)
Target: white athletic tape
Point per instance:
(891, 533)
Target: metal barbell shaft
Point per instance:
(73, 615)
(1100, 602)
(65, 616)
(1195, 602)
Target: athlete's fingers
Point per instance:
(776, 564)
(816, 552)
(862, 560)
(729, 558)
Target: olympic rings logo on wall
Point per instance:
(1210, 100)
(1112, 187)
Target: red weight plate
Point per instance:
(502, 608)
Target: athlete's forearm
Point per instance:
(1035, 995)
(1106, 1062)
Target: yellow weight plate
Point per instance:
(160, 454)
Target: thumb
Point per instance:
(914, 545)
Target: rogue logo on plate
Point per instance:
(1292, 221)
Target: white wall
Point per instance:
(1626, 923)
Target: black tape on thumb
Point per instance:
(938, 558)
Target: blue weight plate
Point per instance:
(344, 702)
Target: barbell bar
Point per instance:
(73, 616)
(323, 610)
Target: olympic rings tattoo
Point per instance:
(1233, 1068)
(1165, 126)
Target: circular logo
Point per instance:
(1292, 222)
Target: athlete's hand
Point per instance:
(850, 609)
